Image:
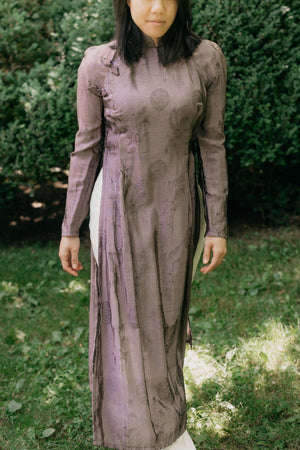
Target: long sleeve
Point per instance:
(211, 141)
(85, 159)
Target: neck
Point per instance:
(149, 41)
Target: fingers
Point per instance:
(217, 248)
(67, 266)
(215, 262)
(68, 254)
(66, 262)
(74, 260)
(207, 251)
(75, 264)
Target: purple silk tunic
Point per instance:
(136, 123)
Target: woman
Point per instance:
(141, 101)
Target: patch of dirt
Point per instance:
(36, 214)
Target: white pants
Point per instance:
(184, 442)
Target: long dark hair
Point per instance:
(179, 41)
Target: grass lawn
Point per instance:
(242, 375)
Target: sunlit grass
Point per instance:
(242, 378)
(273, 348)
(205, 377)
(208, 382)
(242, 375)
(202, 366)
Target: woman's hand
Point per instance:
(68, 253)
(217, 247)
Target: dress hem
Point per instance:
(112, 446)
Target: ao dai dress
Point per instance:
(136, 125)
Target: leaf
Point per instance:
(52, 263)
(230, 354)
(277, 276)
(31, 433)
(252, 247)
(32, 301)
(264, 356)
(242, 291)
(14, 406)
(48, 432)
(20, 335)
(292, 419)
(20, 384)
(193, 310)
(227, 405)
(56, 336)
(78, 332)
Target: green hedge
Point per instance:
(261, 42)
(42, 43)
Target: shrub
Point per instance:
(42, 43)
(37, 88)
(260, 40)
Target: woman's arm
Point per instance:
(86, 156)
(84, 160)
(212, 151)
